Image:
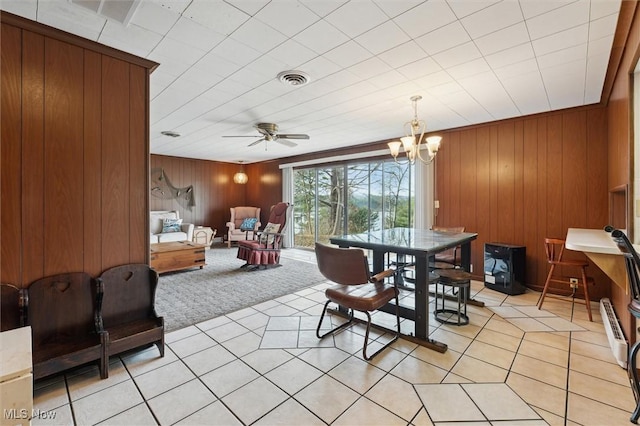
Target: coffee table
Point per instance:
(177, 255)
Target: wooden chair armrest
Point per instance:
(382, 275)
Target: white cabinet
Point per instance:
(16, 380)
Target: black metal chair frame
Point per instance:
(372, 279)
(632, 264)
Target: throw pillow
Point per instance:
(248, 224)
(171, 225)
(268, 231)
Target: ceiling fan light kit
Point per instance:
(269, 133)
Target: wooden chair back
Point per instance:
(129, 293)
(11, 308)
(62, 307)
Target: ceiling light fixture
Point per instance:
(241, 177)
(294, 78)
(412, 146)
(170, 133)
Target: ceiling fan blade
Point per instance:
(293, 136)
(252, 136)
(286, 142)
(256, 142)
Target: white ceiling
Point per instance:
(472, 61)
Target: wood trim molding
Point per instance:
(45, 30)
(623, 28)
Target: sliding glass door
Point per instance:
(351, 198)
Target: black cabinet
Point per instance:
(504, 267)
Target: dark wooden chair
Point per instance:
(632, 264)
(128, 308)
(356, 289)
(264, 250)
(12, 308)
(554, 249)
(63, 314)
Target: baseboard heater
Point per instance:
(614, 332)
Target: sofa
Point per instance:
(156, 223)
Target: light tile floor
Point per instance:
(263, 365)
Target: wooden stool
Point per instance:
(458, 280)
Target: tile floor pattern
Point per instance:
(264, 366)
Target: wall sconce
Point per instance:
(241, 177)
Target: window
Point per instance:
(351, 198)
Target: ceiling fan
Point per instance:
(269, 133)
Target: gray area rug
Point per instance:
(188, 297)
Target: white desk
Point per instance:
(16, 381)
(601, 250)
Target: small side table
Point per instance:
(203, 235)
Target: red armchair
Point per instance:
(264, 250)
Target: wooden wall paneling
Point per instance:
(455, 158)
(202, 195)
(219, 209)
(574, 170)
(468, 193)
(555, 184)
(115, 162)
(518, 183)
(468, 173)
(266, 189)
(92, 181)
(442, 171)
(138, 165)
(505, 184)
(33, 157)
(597, 213)
(154, 202)
(483, 195)
(11, 155)
(493, 185)
(188, 178)
(543, 166)
(619, 131)
(63, 167)
(530, 204)
(173, 170)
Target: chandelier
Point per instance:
(412, 141)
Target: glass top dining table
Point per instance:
(422, 244)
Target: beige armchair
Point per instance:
(238, 215)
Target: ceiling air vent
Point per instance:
(293, 78)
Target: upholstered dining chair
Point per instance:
(451, 256)
(264, 249)
(355, 288)
(243, 223)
